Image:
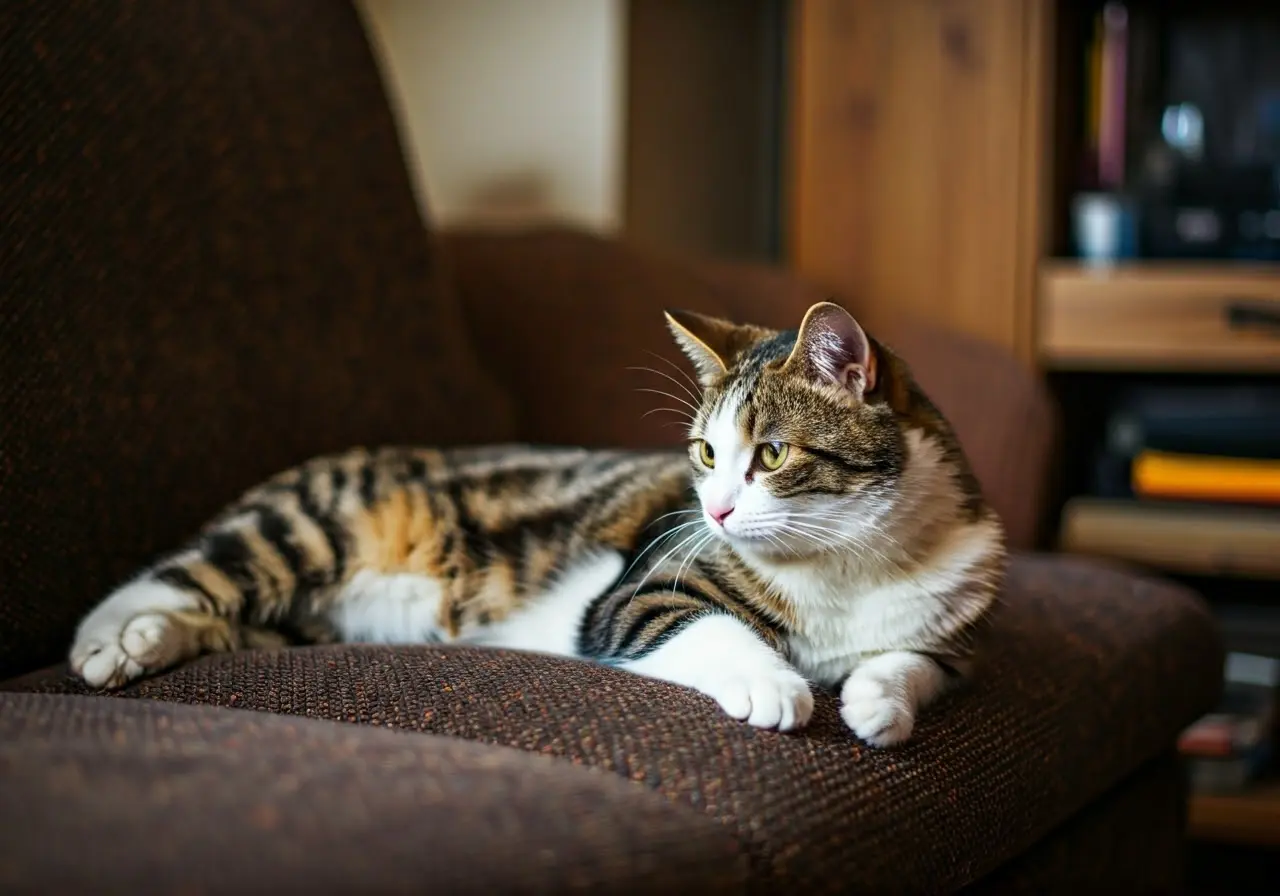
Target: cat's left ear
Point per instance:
(832, 348)
(709, 342)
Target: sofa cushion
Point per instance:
(114, 796)
(213, 267)
(1093, 671)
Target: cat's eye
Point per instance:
(773, 455)
(706, 454)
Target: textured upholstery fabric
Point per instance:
(114, 796)
(578, 311)
(212, 267)
(1077, 696)
(1127, 841)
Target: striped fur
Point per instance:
(866, 560)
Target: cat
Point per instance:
(822, 528)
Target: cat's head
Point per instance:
(794, 446)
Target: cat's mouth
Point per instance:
(781, 535)
(758, 537)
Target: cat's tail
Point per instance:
(250, 576)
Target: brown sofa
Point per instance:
(212, 266)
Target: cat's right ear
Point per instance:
(703, 340)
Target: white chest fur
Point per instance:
(847, 609)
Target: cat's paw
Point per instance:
(775, 697)
(129, 635)
(878, 713)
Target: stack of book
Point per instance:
(1232, 746)
(1188, 480)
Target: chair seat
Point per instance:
(1092, 672)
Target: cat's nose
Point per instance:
(720, 514)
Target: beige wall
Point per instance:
(512, 108)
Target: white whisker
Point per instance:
(678, 369)
(683, 414)
(657, 541)
(672, 513)
(670, 377)
(689, 561)
(677, 398)
(665, 558)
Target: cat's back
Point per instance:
(446, 511)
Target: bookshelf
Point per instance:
(1251, 818)
(1160, 316)
(935, 159)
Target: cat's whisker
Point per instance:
(657, 541)
(683, 414)
(689, 560)
(658, 519)
(782, 545)
(660, 373)
(678, 369)
(846, 537)
(665, 394)
(822, 544)
(667, 556)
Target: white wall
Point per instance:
(513, 108)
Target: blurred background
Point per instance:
(1094, 187)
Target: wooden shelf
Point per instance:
(1187, 538)
(1251, 818)
(1157, 316)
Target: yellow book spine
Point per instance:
(1158, 474)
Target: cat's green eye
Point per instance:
(706, 454)
(773, 455)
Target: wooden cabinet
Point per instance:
(1160, 316)
(918, 164)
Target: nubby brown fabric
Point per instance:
(1076, 695)
(212, 267)
(158, 798)
(1129, 840)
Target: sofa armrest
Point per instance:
(114, 795)
(560, 315)
(1089, 673)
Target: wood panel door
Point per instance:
(918, 160)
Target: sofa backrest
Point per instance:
(212, 266)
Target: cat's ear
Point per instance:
(832, 348)
(709, 342)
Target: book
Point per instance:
(1232, 746)
(1113, 90)
(1190, 477)
(1230, 421)
(1175, 536)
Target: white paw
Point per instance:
(767, 698)
(129, 635)
(875, 711)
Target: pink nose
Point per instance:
(720, 514)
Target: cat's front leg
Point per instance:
(882, 696)
(721, 657)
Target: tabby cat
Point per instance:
(824, 527)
